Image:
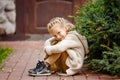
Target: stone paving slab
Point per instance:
(25, 56)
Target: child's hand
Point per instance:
(54, 42)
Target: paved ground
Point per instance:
(25, 56)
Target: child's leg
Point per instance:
(58, 60)
(63, 58)
(51, 59)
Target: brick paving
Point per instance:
(25, 56)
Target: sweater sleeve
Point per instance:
(48, 41)
(67, 43)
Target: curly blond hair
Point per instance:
(61, 21)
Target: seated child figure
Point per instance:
(65, 51)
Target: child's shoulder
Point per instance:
(73, 32)
(71, 35)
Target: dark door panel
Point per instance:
(47, 9)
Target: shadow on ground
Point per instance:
(22, 37)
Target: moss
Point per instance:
(4, 53)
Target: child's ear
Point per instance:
(68, 26)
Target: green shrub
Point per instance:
(4, 52)
(110, 62)
(99, 21)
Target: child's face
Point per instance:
(59, 32)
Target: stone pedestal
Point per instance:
(7, 17)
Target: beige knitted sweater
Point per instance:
(73, 46)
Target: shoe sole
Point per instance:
(39, 74)
(62, 74)
(45, 74)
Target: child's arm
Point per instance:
(50, 41)
(67, 43)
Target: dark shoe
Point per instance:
(44, 72)
(40, 65)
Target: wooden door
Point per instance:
(47, 9)
(39, 12)
(33, 15)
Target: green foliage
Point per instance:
(4, 52)
(99, 21)
(110, 62)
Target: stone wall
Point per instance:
(7, 17)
